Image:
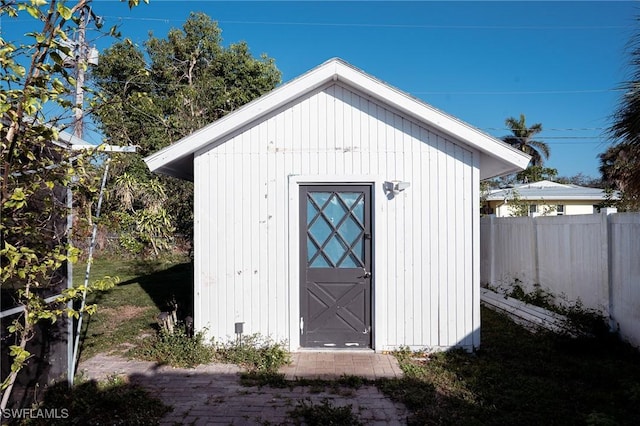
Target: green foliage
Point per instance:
(520, 208)
(536, 173)
(158, 93)
(176, 349)
(538, 297)
(35, 167)
(517, 206)
(586, 321)
(583, 321)
(131, 244)
(142, 221)
(254, 352)
(581, 179)
(129, 310)
(522, 139)
(624, 161)
(618, 166)
(325, 413)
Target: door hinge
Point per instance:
(301, 325)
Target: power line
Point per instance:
(525, 92)
(381, 25)
(489, 93)
(571, 137)
(560, 129)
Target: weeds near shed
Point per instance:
(176, 349)
(538, 297)
(254, 352)
(325, 413)
(590, 322)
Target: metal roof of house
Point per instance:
(496, 157)
(547, 190)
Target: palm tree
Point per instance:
(522, 139)
(619, 169)
(625, 128)
(615, 166)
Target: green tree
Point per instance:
(517, 206)
(522, 139)
(581, 179)
(166, 90)
(536, 173)
(618, 164)
(624, 159)
(35, 170)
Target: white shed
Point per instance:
(338, 212)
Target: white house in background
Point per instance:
(547, 198)
(338, 212)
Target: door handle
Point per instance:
(367, 274)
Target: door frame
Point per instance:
(378, 247)
(338, 274)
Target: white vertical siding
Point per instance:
(425, 294)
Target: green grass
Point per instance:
(522, 378)
(128, 311)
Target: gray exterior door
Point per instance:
(335, 266)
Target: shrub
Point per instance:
(538, 297)
(254, 352)
(583, 320)
(176, 349)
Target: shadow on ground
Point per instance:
(129, 310)
(166, 285)
(214, 394)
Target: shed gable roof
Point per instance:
(496, 157)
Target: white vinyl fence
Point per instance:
(591, 258)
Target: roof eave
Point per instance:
(497, 158)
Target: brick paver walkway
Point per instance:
(212, 394)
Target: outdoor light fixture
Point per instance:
(395, 187)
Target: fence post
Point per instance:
(607, 258)
(492, 258)
(536, 247)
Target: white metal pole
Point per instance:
(88, 271)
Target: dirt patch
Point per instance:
(123, 313)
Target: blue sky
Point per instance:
(559, 63)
